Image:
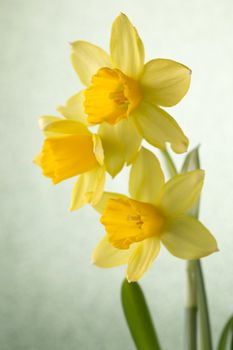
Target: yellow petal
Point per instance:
(165, 82)
(74, 108)
(64, 127)
(114, 157)
(66, 156)
(146, 177)
(130, 138)
(87, 59)
(105, 255)
(126, 47)
(142, 258)
(101, 205)
(45, 120)
(98, 149)
(88, 188)
(181, 192)
(158, 127)
(187, 238)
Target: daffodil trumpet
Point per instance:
(135, 227)
(69, 150)
(125, 96)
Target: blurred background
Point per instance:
(51, 297)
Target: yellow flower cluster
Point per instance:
(123, 95)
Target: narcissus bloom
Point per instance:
(156, 213)
(124, 95)
(70, 149)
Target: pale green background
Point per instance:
(52, 298)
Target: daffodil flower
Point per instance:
(156, 213)
(124, 95)
(70, 149)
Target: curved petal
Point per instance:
(105, 255)
(129, 137)
(45, 120)
(158, 127)
(126, 47)
(74, 108)
(88, 188)
(187, 238)
(87, 59)
(114, 157)
(181, 192)
(64, 127)
(146, 177)
(142, 258)
(98, 149)
(102, 203)
(165, 82)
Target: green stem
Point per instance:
(197, 299)
(191, 308)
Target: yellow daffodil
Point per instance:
(156, 213)
(124, 95)
(70, 149)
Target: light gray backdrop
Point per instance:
(52, 298)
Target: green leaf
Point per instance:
(192, 162)
(170, 165)
(138, 317)
(204, 319)
(226, 338)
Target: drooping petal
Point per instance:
(102, 203)
(165, 82)
(105, 255)
(74, 108)
(114, 157)
(88, 188)
(67, 127)
(181, 192)
(87, 59)
(146, 177)
(126, 47)
(158, 127)
(129, 137)
(98, 149)
(142, 258)
(45, 120)
(187, 238)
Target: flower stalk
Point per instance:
(190, 341)
(196, 304)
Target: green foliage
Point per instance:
(138, 317)
(226, 338)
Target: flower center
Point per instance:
(111, 97)
(66, 156)
(128, 221)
